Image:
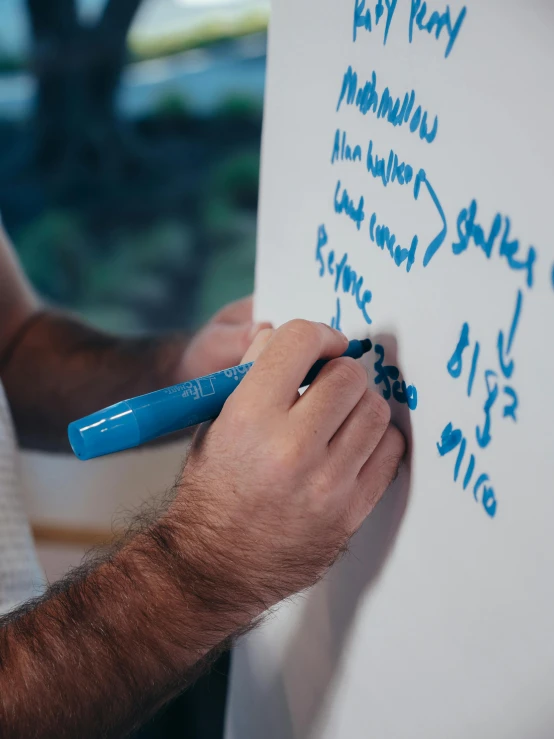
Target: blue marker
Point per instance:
(134, 422)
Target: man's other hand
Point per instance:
(221, 342)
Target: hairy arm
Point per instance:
(60, 369)
(269, 496)
(56, 369)
(109, 645)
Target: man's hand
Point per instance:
(222, 341)
(269, 497)
(279, 482)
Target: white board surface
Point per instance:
(440, 622)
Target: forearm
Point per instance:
(270, 494)
(102, 652)
(60, 370)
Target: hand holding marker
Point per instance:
(133, 422)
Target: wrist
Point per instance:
(202, 604)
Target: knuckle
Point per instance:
(395, 448)
(347, 370)
(359, 444)
(377, 409)
(240, 414)
(396, 441)
(304, 331)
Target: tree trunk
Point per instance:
(78, 69)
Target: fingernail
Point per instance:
(255, 330)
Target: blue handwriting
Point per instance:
(436, 22)
(398, 171)
(469, 230)
(388, 170)
(346, 279)
(393, 170)
(363, 16)
(386, 240)
(335, 321)
(403, 174)
(402, 393)
(345, 204)
(343, 151)
(367, 99)
(379, 234)
(438, 241)
(451, 439)
(506, 363)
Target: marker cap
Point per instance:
(110, 430)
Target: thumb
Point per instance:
(239, 336)
(258, 345)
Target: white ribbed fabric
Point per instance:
(21, 577)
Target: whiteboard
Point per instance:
(407, 195)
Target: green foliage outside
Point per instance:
(146, 224)
(142, 48)
(198, 37)
(172, 272)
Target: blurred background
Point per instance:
(129, 158)
(129, 153)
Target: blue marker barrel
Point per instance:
(133, 422)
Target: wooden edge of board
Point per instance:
(73, 535)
